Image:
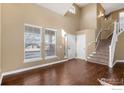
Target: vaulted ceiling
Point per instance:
(62, 8)
(82, 4)
(110, 7)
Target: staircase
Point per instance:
(101, 56)
(105, 51)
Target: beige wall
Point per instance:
(100, 20)
(100, 9)
(115, 15)
(15, 15)
(119, 52)
(88, 17)
(108, 25)
(105, 25)
(88, 26)
(0, 42)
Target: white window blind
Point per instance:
(50, 43)
(32, 42)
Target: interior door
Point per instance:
(81, 46)
(71, 46)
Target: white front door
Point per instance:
(81, 46)
(71, 46)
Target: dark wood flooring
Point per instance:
(72, 72)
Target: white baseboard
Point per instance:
(94, 52)
(114, 64)
(91, 55)
(80, 58)
(1, 78)
(30, 68)
(117, 61)
(71, 58)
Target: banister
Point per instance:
(113, 44)
(96, 38)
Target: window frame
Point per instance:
(72, 10)
(41, 37)
(65, 46)
(53, 30)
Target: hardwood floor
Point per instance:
(72, 72)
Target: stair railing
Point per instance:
(98, 38)
(92, 46)
(110, 30)
(113, 44)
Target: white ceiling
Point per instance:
(121, 15)
(82, 4)
(109, 7)
(60, 8)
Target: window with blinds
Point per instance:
(50, 43)
(32, 42)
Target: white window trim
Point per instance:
(52, 29)
(72, 9)
(66, 56)
(53, 56)
(33, 59)
(25, 24)
(50, 57)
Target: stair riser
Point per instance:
(98, 62)
(102, 53)
(105, 62)
(103, 58)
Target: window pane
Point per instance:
(32, 42)
(50, 43)
(50, 49)
(65, 46)
(50, 36)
